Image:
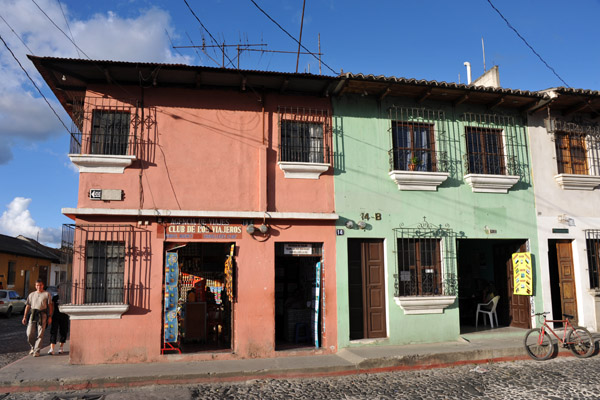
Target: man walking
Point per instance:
(40, 305)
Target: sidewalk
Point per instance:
(54, 373)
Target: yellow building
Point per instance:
(23, 261)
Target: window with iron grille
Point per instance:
(419, 267)
(414, 148)
(592, 241)
(110, 132)
(485, 151)
(303, 135)
(105, 269)
(571, 154)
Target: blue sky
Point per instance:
(418, 39)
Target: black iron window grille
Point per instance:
(592, 241)
(110, 264)
(304, 135)
(426, 257)
(495, 144)
(106, 126)
(110, 132)
(414, 132)
(485, 151)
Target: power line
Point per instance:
(293, 38)
(528, 45)
(38, 89)
(16, 34)
(68, 27)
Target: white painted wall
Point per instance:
(581, 207)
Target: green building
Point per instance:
(434, 191)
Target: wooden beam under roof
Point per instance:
(577, 108)
(424, 96)
(387, 91)
(284, 85)
(107, 75)
(462, 99)
(198, 80)
(498, 102)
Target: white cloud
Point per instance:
(24, 117)
(17, 220)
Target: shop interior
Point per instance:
(204, 311)
(483, 273)
(297, 298)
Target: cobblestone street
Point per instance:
(562, 378)
(13, 340)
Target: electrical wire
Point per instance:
(16, 34)
(68, 27)
(293, 38)
(528, 45)
(38, 89)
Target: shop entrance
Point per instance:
(201, 318)
(298, 306)
(485, 271)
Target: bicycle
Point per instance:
(539, 345)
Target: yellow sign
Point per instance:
(523, 273)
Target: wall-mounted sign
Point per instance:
(339, 232)
(523, 273)
(297, 249)
(199, 228)
(96, 194)
(560, 230)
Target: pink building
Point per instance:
(205, 222)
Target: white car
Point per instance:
(11, 302)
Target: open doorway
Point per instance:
(484, 272)
(298, 308)
(201, 319)
(562, 279)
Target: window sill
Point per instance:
(418, 180)
(577, 182)
(97, 311)
(299, 170)
(486, 183)
(424, 304)
(101, 163)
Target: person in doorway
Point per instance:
(60, 324)
(41, 308)
(488, 292)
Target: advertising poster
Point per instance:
(171, 297)
(523, 273)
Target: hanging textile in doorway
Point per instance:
(171, 297)
(229, 274)
(317, 299)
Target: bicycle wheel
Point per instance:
(536, 350)
(580, 342)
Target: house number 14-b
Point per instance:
(366, 216)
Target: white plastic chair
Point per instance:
(488, 308)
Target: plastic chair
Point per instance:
(488, 308)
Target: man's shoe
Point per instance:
(36, 354)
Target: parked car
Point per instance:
(11, 302)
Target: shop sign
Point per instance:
(199, 228)
(296, 249)
(522, 271)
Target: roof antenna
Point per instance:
(483, 49)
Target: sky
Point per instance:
(427, 39)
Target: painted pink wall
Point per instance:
(215, 151)
(136, 337)
(210, 155)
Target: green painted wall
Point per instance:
(362, 139)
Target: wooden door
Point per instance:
(519, 308)
(568, 298)
(373, 275)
